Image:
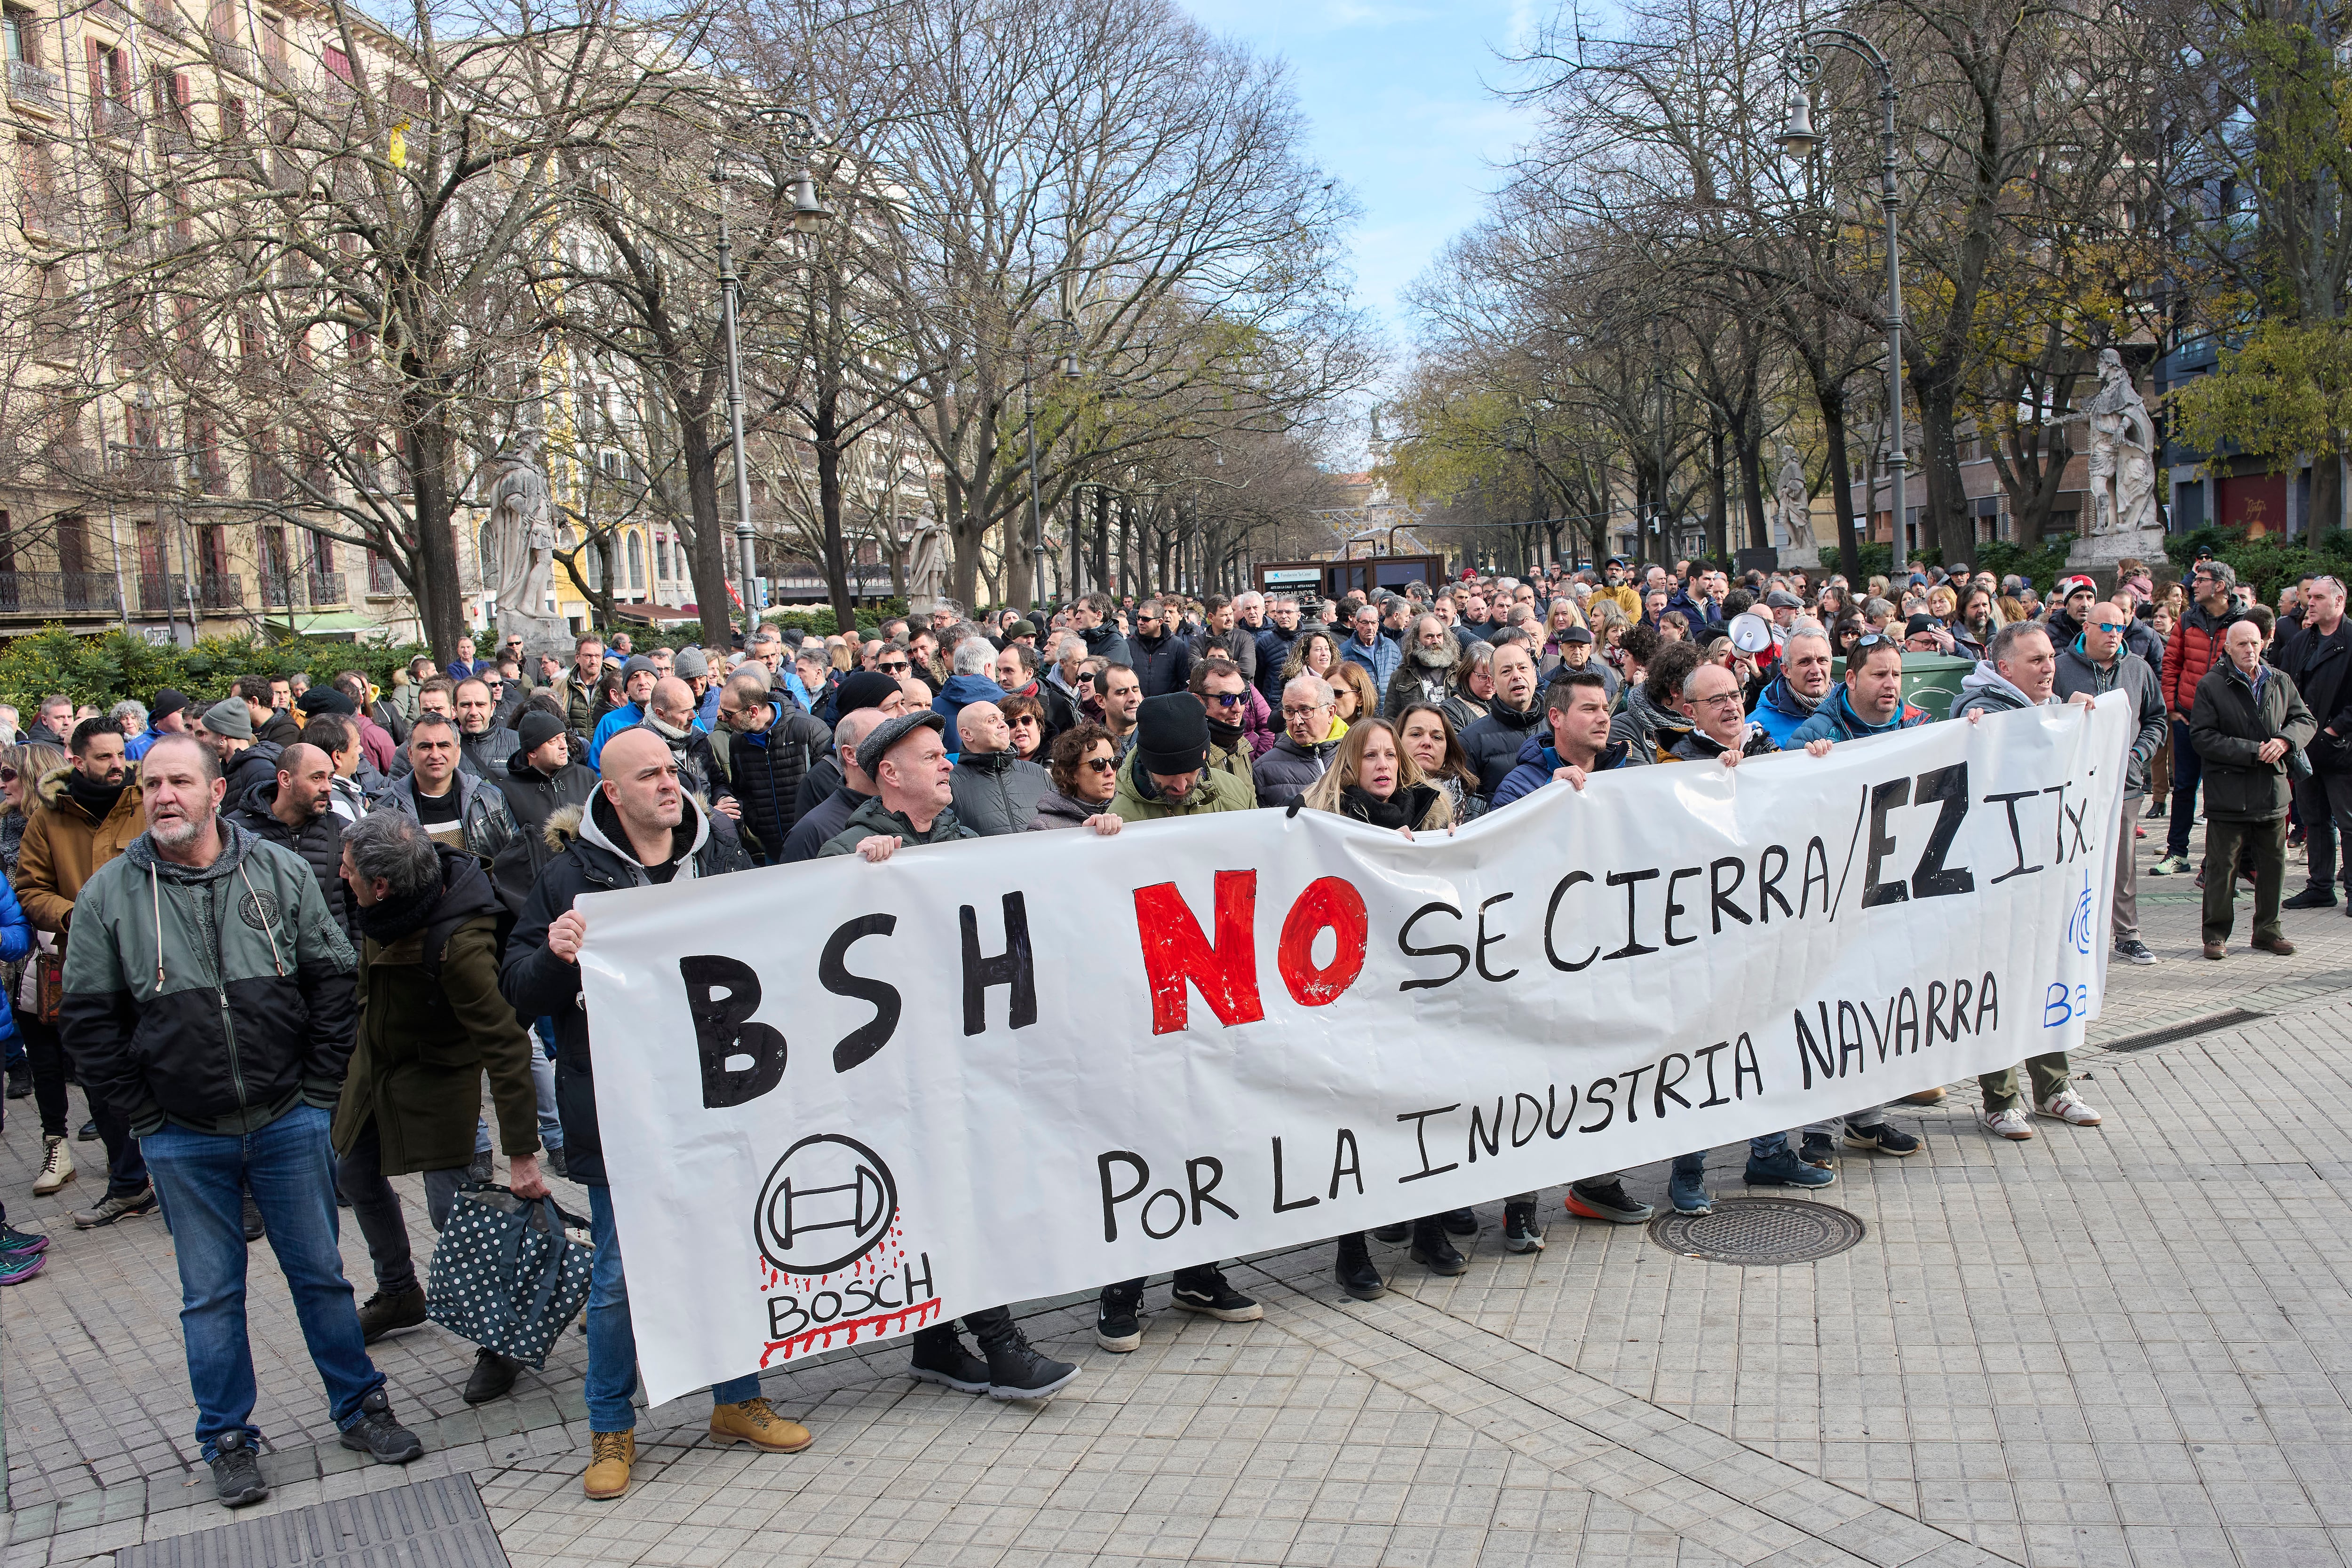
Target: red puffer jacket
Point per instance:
(2195, 648)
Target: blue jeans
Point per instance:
(612, 1343)
(290, 1170)
(2188, 767)
(543, 1079)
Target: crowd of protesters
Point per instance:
(281, 942)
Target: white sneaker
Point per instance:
(57, 1167)
(2068, 1106)
(2008, 1124)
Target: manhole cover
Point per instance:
(1759, 1231)
(439, 1524)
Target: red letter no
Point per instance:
(1176, 954)
(1327, 902)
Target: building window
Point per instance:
(18, 37)
(661, 558)
(636, 572)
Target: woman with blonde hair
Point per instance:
(1474, 686)
(1563, 615)
(1374, 778)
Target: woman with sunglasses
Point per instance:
(1027, 717)
(1086, 776)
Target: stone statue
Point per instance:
(1796, 506)
(521, 536)
(2123, 453)
(927, 566)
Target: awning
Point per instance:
(342, 623)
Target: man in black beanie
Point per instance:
(167, 715)
(1167, 772)
(540, 779)
(858, 689)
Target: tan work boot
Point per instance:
(57, 1167)
(752, 1422)
(610, 1454)
(1926, 1097)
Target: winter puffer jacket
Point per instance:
(589, 855)
(1379, 661)
(482, 813)
(252, 766)
(995, 792)
(1696, 745)
(2229, 720)
(218, 1000)
(1282, 774)
(485, 755)
(874, 818)
(1104, 642)
(1986, 690)
(1163, 665)
(1273, 654)
(1239, 645)
(532, 801)
(431, 1023)
(1537, 762)
(2078, 672)
(1835, 721)
(319, 842)
(1493, 744)
(764, 767)
(1056, 811)
(2195, 647)
(959, 693)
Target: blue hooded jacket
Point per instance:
(958, 691)
(1835, 720)
(1776, 713)
(1538, 762)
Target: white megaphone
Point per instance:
(1751, 633)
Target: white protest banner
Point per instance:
(843, 1100)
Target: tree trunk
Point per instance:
(1718, 513)
(1752, 482)
(1949, 528)
(825, 433)
(707, 559)
(439, 597)
(1831, 399)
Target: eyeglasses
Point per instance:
(1290, 712)
(894, 666)
(1720, 699)
(1103, 763)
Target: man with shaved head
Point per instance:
(639, 828)
(995, 791)
(670, 715)
(296, 810)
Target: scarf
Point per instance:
(1226, 736)
(393, 917)
(1405, 809)
(91, 795)
(653, 722)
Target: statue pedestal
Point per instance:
(1766, 560)
(540, 633)
(2095, 555)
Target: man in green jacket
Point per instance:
(431, 1021)
(1167, 772)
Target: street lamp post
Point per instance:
(1798, 138)
(809, 213)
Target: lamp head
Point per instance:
(1798, 138)
(809, 215)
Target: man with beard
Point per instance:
(296, 812)
(208, 992)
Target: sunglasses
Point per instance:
(8, 776)
(1102, 763)
(894, 666)
(1227, 699)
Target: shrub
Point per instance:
(2269, 563)
(105, 668)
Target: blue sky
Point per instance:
(1397, 95)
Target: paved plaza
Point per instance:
(2128, 1346)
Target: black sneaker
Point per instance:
(1434, 1250)
(1885, 1138)
(378, 1436)
(493, 1375)
(940, 1357)
(555, 1163)
(237, 1471)
(88, 1133)
(15, 1240)
(1015, 1370)
(20, 1082)
(253, 1227)
(1520, 1232)
(1461, 1222)
(1391, 1233)
(1606, 1200)
(2311, 898)
(1116, 1328)
(1354, 1269)
(1208, 1293)
(479, 1170)
(2132, 950)
(1819, 1151)
(381, 1313)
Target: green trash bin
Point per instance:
(1931, 681)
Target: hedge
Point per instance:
(104, 669)
(2043, 567)
(2269, 563)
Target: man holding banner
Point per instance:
(638, 830)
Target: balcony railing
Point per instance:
(233, 58)
(29, 84)
(163, 16)
(164, 595)
(112, 117)
(327, 589)
(59, 593)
